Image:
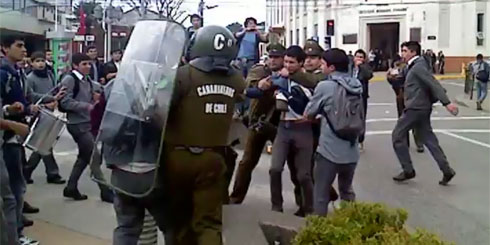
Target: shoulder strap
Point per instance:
(76, 86)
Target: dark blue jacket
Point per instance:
(12, 82)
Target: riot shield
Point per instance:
(137, 103)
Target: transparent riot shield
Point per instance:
(136, 109)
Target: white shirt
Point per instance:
(78, 74)
(412, 59)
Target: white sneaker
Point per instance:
(23, 240)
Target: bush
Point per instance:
(363, 223)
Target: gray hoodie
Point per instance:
(330, 146)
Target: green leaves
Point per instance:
(357, 223)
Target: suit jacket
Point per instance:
(100, 71)
(364, 75)
(421, 88)
(109, 67)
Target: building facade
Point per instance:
(459, 28)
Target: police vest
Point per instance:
(202, 112)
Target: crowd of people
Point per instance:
(311, 103)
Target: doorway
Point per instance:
(384, 40)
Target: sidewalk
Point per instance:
(381, 76)
(52, 234)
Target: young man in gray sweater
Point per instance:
(335, 156)
(40, 84)
(79, 101)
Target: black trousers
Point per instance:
(419, 119)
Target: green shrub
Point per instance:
(363, 223)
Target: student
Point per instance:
(336, 157)
(39, 84)
(78, 103)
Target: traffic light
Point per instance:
(330, 28)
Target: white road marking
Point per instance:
(393, 104)
(480, 131)
(476, 142)
(432, 119)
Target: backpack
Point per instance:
(346, 116)
(483, 75)
(76, 89)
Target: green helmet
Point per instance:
(213, 47)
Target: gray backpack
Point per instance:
(346, 116)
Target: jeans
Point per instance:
(482, 90)
(8, 206)
(324, 174)
(13, 162)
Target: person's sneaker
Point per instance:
(420, 149)
(28, 209)
(23, 240)
(404, 176)
(300, 213)
(26, 222)
(29, 181)
(75, 194)
(361, 147)
(478, 106)
(447, 177)
(57, 180)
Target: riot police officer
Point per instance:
(197, 129)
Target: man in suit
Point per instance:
(421, 91)
(96, 69)
(109, 69)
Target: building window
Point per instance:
(305, 34)
(315, 30)
(305, 6)
(315, 3)
(297, 6)
(415, 34)
(479, 29)
(291, 37)
(297, 36)
(349, 39)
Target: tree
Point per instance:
(166, 9)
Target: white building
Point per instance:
(460, 28)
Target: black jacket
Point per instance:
(365, 74)
(100, 71)
(421, 88)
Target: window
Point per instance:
(415, 34)
(305, 34)
(479, 29)
(349, 39)
(315, 30)
(315, 3)
(305, 5)
(297, 36)
(291, 37)
(297, 6)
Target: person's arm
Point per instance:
(434, 86)
(18, 128)
(366, 73)
(263, 37)
(32, 95)
(240, 34)
(305, 79)
(316, 103)
(68, 102)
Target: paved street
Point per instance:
(459, 212)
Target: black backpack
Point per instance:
(483, 75)
(346, 116)
(76, 89)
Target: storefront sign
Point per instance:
(382, 11)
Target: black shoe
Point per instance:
(107, 196)
(276, 209)
(404, 176)
(28, 209)
(56, 179)
(29, 181)
(478, 106)
(27, 222)
(447, 177)
(300, 213)
(75, 194)
(334, 196)
(420, 149)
